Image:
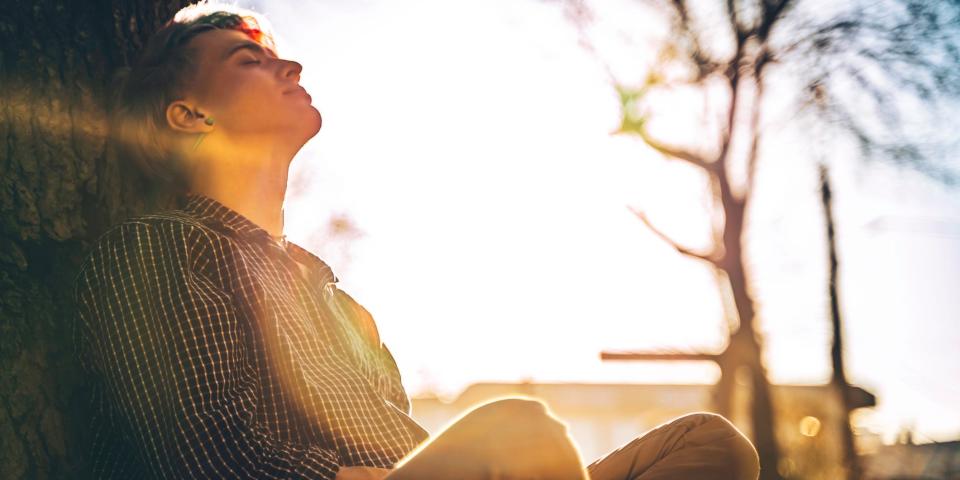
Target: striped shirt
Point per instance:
(215, 350)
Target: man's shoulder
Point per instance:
(164, 223)
(161, 219)
(171, 231)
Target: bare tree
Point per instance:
(838, 379)
(886, 74)
(890, 50)
(60, 188)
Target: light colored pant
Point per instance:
(518, 438)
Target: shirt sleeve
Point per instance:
(173, 359)
(357, 315)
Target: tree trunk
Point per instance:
(60, 189)
(839, 378)
(745, 349)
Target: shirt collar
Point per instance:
(227, 220)
(215, 214)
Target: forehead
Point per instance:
(213, 45)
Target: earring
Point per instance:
(208, 121)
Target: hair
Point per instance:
(164, 70)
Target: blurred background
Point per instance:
(629, 209)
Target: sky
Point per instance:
(472, 145)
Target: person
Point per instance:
(217, 348)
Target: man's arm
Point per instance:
(358, 316)
(171, 351)
(363, 473)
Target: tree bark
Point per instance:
(60, 189)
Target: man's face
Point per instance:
(250, 92)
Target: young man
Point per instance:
(216, 348)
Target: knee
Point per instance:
(714, 420)
(512, 409)
(731, 444)
(530, 441)
(520, 414)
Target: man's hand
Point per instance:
(362, 473)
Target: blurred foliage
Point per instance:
(879, 72)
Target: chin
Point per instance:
(315, 121)
(307, 126)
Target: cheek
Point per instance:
(247, 94)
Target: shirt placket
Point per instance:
(279, 251)
(311, 281)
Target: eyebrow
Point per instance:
(252, 46)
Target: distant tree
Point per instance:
(59, 188)
(863, 69)
(334, 242)
(838, 379)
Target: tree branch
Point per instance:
(738, 31)
(685, 155)
(771, 13)
(754, 131)
(705, 65)
(707, 257)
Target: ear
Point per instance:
(183, 117)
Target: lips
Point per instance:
(298, 91)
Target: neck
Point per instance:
(252, 184)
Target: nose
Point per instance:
(292, 69)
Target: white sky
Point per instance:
(470, 142)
